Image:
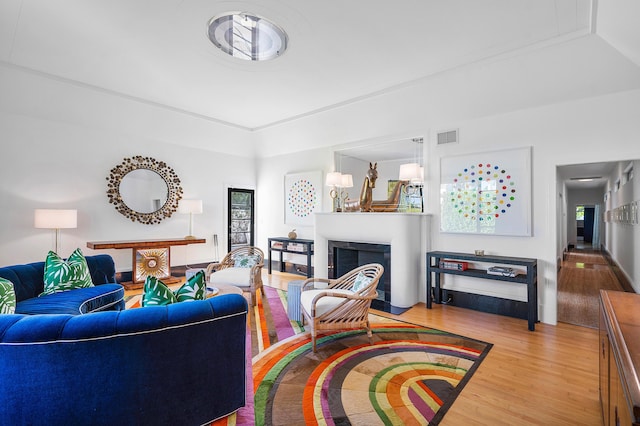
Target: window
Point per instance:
(579, 212)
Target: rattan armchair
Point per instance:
(227, 271)
(338, 306)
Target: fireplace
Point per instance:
(347, 255)
(403, 232)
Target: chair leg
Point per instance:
(313, 341)
(369, 333)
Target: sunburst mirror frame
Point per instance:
(174, 190)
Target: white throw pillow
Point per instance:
(240, 277)
(325, 303)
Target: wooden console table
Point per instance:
(150, 257)
(282, 245)
(530, 278)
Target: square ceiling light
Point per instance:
(246, 36)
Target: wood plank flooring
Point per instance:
(583, 274)
(545, 377)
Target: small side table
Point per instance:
(294, 288)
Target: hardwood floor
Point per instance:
(545, 377)
(583, 274)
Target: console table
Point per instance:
(284, 245)
(530, 278)
(150, 257)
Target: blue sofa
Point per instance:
(181, 364)
(28, 284)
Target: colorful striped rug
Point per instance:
(409, 375)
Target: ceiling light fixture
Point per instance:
(586, 179)
(246, 36)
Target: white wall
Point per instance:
(58, 145)
(599, 128)
(575, 102)
(623, 240)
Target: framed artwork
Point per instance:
(302, 197)
(151, 262)
(487, 193)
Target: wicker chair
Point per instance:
(338, 306)
(227, 272)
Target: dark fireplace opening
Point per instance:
(346, 255)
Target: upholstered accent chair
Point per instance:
(342, 303)
(241, 267)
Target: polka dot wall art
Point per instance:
(303, 197)
(487, 193)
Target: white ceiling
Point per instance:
(157, 51)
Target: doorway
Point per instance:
(241, 221)
(585, 224)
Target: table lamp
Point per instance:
(191, 207)
(334, 179)
(55, 219)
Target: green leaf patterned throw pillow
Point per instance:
(63, 275)
(246, 261)
(156, 293)
(361, 281)
(194, 289)
(7, 297)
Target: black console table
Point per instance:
(287, 245)
(530, 278)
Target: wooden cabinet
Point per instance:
(619, 358)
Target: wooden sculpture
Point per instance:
(366, 202)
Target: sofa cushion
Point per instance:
(193, 289)
(325, 303)
(156, 293)
(63, 275)
(361, 281)
(240, 277)
(7, 297)
(246, 260)
(74, 302)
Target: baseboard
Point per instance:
(292, 268)
(617, 271)
(489, 304)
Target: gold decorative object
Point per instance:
(151, 262)
(366, 203)
(164, 209)
(292, 235)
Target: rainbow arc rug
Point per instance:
(408, 375)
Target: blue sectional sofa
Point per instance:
(181, 364)
(28, 284)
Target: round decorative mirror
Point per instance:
(144, 189)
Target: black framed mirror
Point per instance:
(144, 189)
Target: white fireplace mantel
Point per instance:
(404, 232)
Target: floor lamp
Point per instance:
(55, 219)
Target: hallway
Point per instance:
(583, 274)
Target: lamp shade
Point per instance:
(347, 181)
(190, 206)
(334, 179)
(55, 218)
(410, 172)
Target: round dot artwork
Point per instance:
(302, 198)
(482, 192)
